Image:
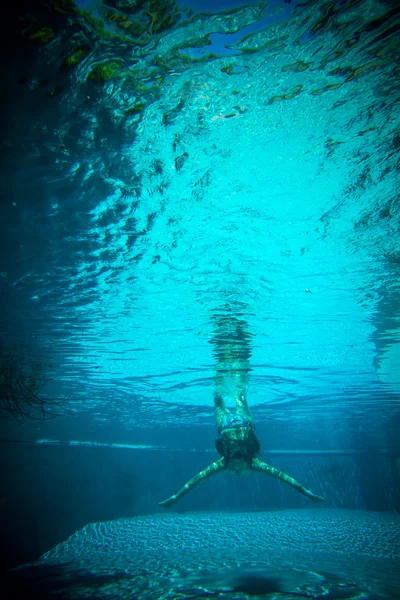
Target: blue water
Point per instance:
(235, 159)
(272, 189)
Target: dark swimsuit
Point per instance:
(233, 421)
(229, 447)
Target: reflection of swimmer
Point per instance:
(238, 445)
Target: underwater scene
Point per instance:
(200, 300)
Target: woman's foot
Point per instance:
(316, 498)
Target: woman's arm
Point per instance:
(212, 469)
(262, 467)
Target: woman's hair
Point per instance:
(245, 449)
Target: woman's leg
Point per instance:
(232, 353)
(221, 412)
(241, 369)
(242, 408)
(262, 467)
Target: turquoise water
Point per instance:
(200, 196)
(257, 172)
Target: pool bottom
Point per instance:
(330, 554)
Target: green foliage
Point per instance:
(98, 26)
(104, 71)
(75, 57)
(64, 6)
(137, 108)
(160, 13)
(43, 35)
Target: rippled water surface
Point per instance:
(163, 166)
